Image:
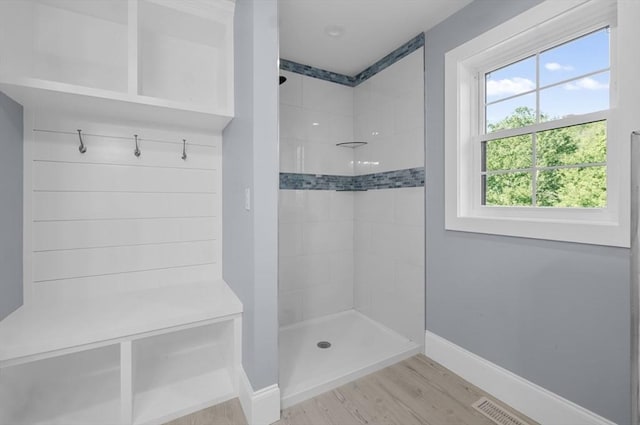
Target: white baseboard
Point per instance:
(261, 407)
(534, 401)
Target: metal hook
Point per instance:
(82, 148)
(184, 149)
(137, 151)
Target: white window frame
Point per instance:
(546, 25)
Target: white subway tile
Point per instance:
(326, 96)
(340, 128)
(341, 205)
(290, 239)
(290, 308)
(317, 205)
(327, 299)
(291, 206)
(409, 112)
(292, 122)
(341, 269)
(362, 235)
(292, 152)
(314, 269)
(409, 244)
(291, 90)
(317, 124)
(408, 206)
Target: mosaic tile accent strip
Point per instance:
(411, 177)
(407, 48)
(297, 181)
(321, 74)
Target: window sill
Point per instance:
(586, 232)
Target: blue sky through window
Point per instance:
(574, 60)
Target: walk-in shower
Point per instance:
(351, 243)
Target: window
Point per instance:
(536, 128)
(544, 138)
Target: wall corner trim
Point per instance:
(260, 407)
(534, 401)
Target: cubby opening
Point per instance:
(75, 42)
(183, 371)
(80, 388)
(182, 55)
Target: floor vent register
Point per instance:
(496, 413)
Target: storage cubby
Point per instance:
(162, 61)
(82, 43)
(80, 388)
(182, 56)
(183, 371)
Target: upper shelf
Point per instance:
(164, 61)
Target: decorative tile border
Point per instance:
(297, 181)
(407, 48)
(411, 177)
(314, 72)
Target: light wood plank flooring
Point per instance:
(417, 391)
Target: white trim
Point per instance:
(532, 400)
(260, 407)
(536, 27)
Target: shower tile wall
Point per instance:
(389, 223)
(316, 226)
(363, 250)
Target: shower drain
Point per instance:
(324, 344)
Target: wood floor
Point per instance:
(417, 391)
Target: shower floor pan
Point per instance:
(359, 346)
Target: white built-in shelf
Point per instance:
(79, 388)
(161, 61)
(143, 357)
(37, 331)
(176, 374)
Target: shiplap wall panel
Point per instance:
(64, 264)
(104, 150)
(62, 176)
(119, 205)
(125, 282)
(53, 235)
(108, 222)
(46, 121)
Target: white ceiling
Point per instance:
(372, 29)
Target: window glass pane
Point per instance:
(581, 96)
(510, 80)
(578, 144)
(513, 113)
(509, 153)
(578, 57)
(584, 187)
(511, 189)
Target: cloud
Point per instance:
(509, 86)
(586, 83)
(555, 66)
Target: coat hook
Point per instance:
(82, 148)
(137, 151)
(184, 149)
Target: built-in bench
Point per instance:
(141, 357)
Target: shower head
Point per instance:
(282, 79)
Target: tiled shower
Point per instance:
(351, 221)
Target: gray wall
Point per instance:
(10, 206)
(250, 160)
(557, 314)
